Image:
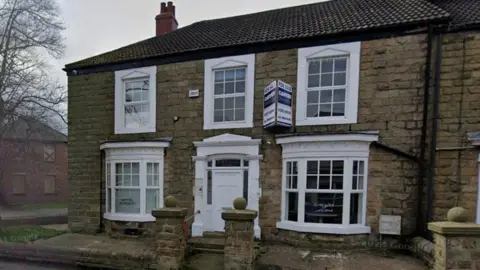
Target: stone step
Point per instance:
(214, 235)
(206, 243)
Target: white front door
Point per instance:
(227, 185)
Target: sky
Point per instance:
(97, 26)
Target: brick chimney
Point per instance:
(166, 21)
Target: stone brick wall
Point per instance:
(35, 169)
(457, 171)
(390, 101)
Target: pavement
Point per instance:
(19, 265)
(13, 217)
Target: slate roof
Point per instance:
(464, 13)
(313, 20)
(30, 129)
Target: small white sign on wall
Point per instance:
(193, 93)
(391, 225)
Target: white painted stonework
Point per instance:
(227, 182)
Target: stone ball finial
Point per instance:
(171, 201)
(240, 203)
(457, 214)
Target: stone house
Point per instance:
(322, 116)
(33, 164)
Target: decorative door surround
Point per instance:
(226, 144)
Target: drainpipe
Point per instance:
(433, 142)
(102, 168)
(421, 224)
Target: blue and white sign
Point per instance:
(284, 107)
(277, 105)
(269, 104)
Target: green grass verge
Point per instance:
(43, 206)
(24, 234)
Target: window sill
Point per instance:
(325, 121)
(129, 217)
(228, 125)
(134, 130)
(324, 228)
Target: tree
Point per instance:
(30, 32)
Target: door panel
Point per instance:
(227, 185)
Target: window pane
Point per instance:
(292, 206)
(240, 74)
(229, 75)
(229, 103)
(339, 95)
(337, 182)
(325, 166)
(360, 182)
(313, 67)
(312, 110)
(136, 168)
(326, 79)
(337, 167)
(323, 208)
(324, 182)
(313, 80)
(209, 187)
(219, 76)
(325, 96)
(218, 116)
(327, 65)
(229, 115)
(312, 182)
(289, 167)
(340, 78)
(325, 110)
(228, 163)
(239, 102)
(341, 64)
(108, 180)
(127, 201)
(354, 182)
(312, 97)
(361, 166)
(245, 185)
(218, 89)
(356, 205)
(127, 178)
(127, 168)
(295, 168)
(153, 199)
(294, 182)
(245, 163)
(218, 104)
(229, 88)
(239, 115)
(136, 180)
(240, 87)
(312, 167)
(338, 109)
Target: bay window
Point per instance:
(325, 183)
(133, 179)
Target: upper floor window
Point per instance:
(135, 93)
(49, 152)
(327, 85)
(229, 84)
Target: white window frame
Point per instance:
(350, 50)
(211, 65)
(133, 152)
(121, 77)
(347, 147)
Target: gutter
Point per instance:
(433, 141)
(421, 226)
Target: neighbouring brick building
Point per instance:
(33, 164)
(193, 113)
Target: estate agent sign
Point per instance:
(277, 105)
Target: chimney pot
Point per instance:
(163, 7)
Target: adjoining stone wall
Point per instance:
(457, 170)
(390, 101)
